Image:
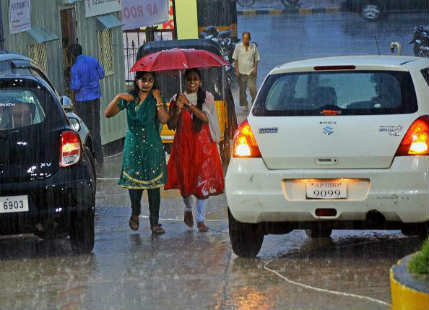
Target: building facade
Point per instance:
(54, 25)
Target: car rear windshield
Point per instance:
(21, 103)
(337, 93)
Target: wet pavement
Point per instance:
(184, 269)
(294, 37)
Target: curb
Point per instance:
(407, 291)
(289, 11)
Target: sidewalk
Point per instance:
(275, 7)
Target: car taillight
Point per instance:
(416, 140)
(70, 149)
(245, 145)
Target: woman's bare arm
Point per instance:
(197, 112)
(202, 116)
(113, 109)
(174, 117)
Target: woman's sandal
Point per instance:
(134, 222)
(202, 227)
(157, 229)
(188, 218)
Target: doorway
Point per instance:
(68, 34)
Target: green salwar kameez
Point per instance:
(143, 163)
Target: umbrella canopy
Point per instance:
(178, 59)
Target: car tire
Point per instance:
(82, 232)
(424, 231)
(319, 232)
(416, 230)
(410, 230)
(246, 239)
(371, 11)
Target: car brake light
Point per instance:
(245, 145)
(333, 68)
(330, 112)
(416, 140)
(70, 149)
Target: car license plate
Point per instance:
(326, 190)
(12, 204)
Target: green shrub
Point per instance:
(420, 262)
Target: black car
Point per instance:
(47, 175)
(374, 9)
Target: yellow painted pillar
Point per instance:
(186, 19)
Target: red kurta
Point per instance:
(194, 166)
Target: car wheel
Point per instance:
(424, 231)
(371, 11)
(416, 230)
(410, 230)
(319, 232)
(82, 232)
(246, 239)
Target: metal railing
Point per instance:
(133, 39)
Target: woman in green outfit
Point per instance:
(143, 164)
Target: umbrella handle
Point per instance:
(180, 81)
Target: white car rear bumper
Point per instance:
(256, 194)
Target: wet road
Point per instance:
(293, 37)
(184, 269)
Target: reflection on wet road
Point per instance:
(184, 269)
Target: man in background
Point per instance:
(84, 82)
(246, 57)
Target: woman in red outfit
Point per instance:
(194, 166)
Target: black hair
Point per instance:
(248, 33)
(139, 74)
(201, 98)
(75, 50)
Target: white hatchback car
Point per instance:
(333, 143)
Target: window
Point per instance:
(19, 108)
(105, 51)
(378, 92)
(43, 77)
(425, 73)
(37, 52)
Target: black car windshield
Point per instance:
(338, 93)
(21, 103)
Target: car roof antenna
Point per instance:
(378, 47)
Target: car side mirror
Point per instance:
(67, 104)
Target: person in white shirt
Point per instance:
(246, 57)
